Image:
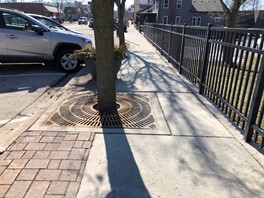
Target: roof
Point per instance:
(51, 8)
(148, 9)
(206, 6)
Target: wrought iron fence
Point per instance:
(226, 65)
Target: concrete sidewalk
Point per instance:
(193, 152)
(199, 158)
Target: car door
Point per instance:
(3, 47)
(22, 41)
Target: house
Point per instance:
(71, 14)
(191, 12)
(144, 11)
(140, 5)
(145, 15)
(35, 8)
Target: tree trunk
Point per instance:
(103, 11)
(121, 13)
(232, 11)
(231, 20)
(228, 52)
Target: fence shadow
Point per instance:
(123, 172)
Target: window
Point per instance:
(179, 4)
(217, 19)
(178, 20)
(196, 21)
(165, 19)
(16, 22)
(166, 4)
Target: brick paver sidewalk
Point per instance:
(44, 164)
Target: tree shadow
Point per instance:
(123, 173)
(139, 74)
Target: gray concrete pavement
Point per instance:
(20, 91)
(199, 158)
(169, 166)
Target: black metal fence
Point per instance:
(226, 65)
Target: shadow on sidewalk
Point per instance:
(123, 173)
(206, 157)
(138, 73)
(146, 68)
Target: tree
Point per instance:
(232, 10)
(59, 5)
(233, 7)
(121, 13)
(103, 12)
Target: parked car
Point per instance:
(25, 39)
(57, 19)
(82, 20)
(90, 23)
(51, 23)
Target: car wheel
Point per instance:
(65, 62)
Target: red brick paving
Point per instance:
(44, 164)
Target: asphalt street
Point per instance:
(23, 84)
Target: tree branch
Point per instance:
(225, 8)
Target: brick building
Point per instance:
(36, 8)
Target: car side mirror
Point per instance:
(37, 29)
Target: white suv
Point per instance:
(25, 39)
(82, 20)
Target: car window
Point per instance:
(13, 21)
(49, 23)
(52, 24)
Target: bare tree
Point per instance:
(103, 13)
(59, 5)
(121, 14)
(232, 9)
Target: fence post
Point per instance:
(205, 61)
(157, 34)
(182, 49)
(169, 50)
(152, 32)
(254, 108)
(162, 37)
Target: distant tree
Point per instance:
(121, 14)
(103, 17)
(59, 5)
(232, 9)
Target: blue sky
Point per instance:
(129, 2)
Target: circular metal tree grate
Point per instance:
(134, 111)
